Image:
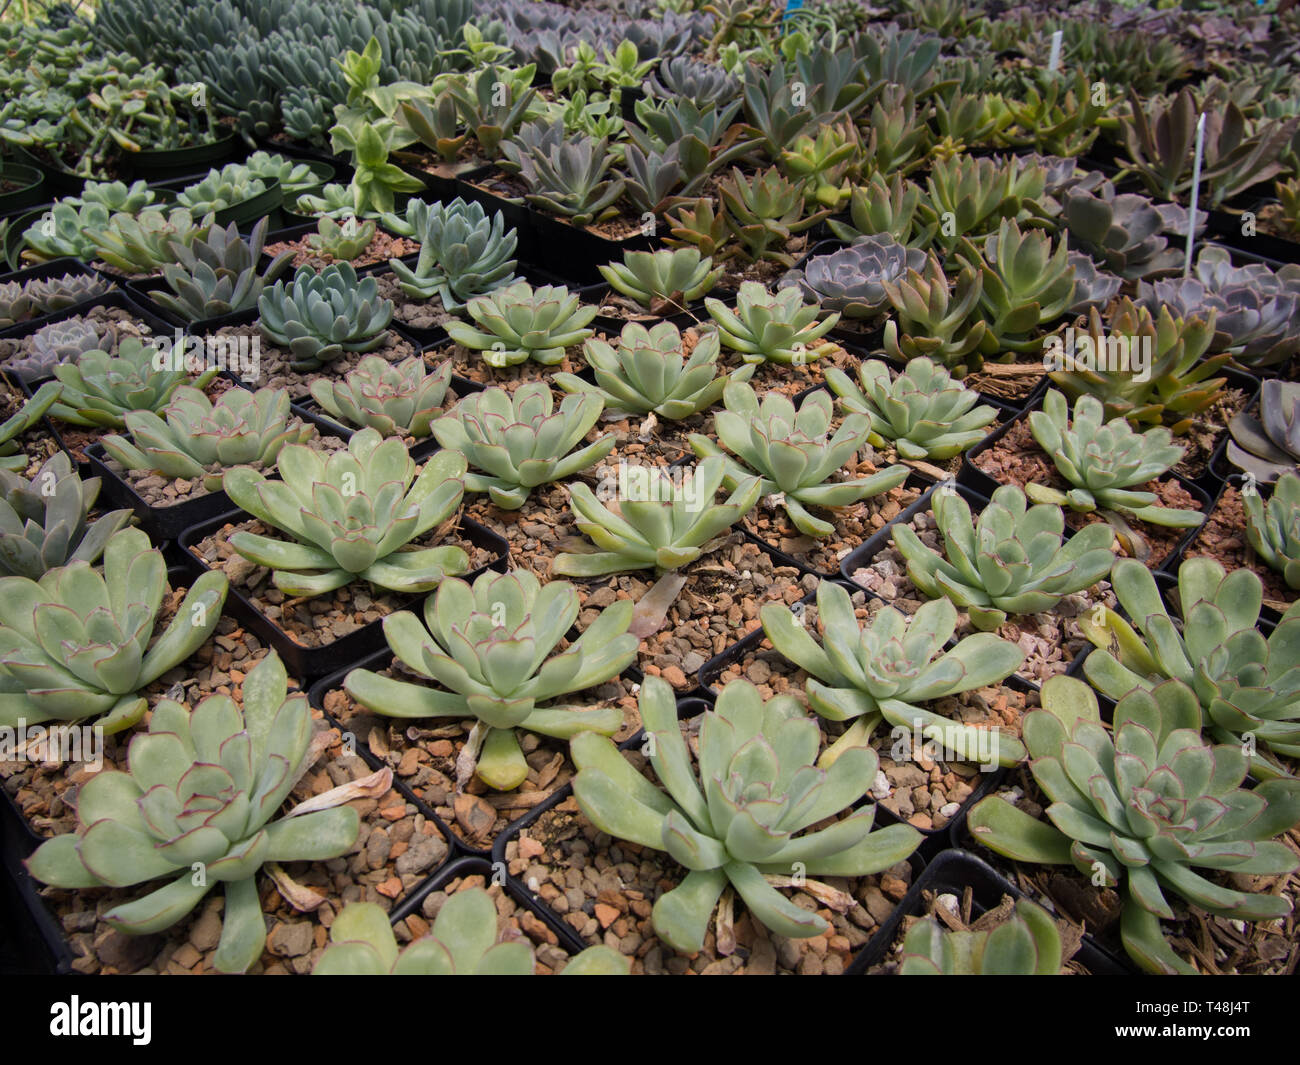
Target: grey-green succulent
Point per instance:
(319, 317)
(399, 399)
(773, 327)
(518, 322)
(220, 273)
(1273, 526)
(1026, 944)
(101, 389)
(662, 281)
(27, 415)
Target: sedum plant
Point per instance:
(219, 274)
(1273, 527)
(518, 322)
(923, 411)
(77, 644)
(1145, 805)
(743, 812)
(492, 649)
(1027, 944)
(463, 253)
(462, 942)
(1012, 560)
(662, 523)
(45, 522)
(794, 453)
(853, 280)
(194, 437)
(1267, 445)
(890, 667)
(31, 412)
(663, 280)
(350, 515)
(521, 440)
(396, 399)
(773, 327)
(319, 317)
(101, 389)
(198, 804)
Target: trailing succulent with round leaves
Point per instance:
(924, 411)
(398, 399)
(31, 412)
(1145, 804)
(518, 322)
(1267, 445)
(521, 440)
(773, 327)
(200, 794)
(219, 274)
(463, 253)
(888, 668)
(350, 514)
(462, 942)
(852, 280)
(1012, 560)
(321, 316)
(76, 644)
(662, 281)
(794, 453)
(741, 813)
(44, 522)
(1027, 944)
(1248, 686)
(491, 647)
(1273, 527)
(193, 437)
(101, 389)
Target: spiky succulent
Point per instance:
(462, 942)
(27, 415)
(1247, 685)
(45, 523)
(77, 644)
(320, 316)
(765, 212)
(520, 440)
(350, 516)
(794, 453)
(884, 208)
(101, 389)
(968, 197)
(696, 224)
(219, 274)
(663, 522)
(1146, 802)
(1027, 944)
(888, 668)
(192, 437)
(463, 253)
(571, 178)
(341, 241)
(1104, 461)
(923, 411)
(518, 322)
(662, 281)
(741, 812)
(1028, 284)
(396, 399)
(62, 342)
(1273, 527)
(1267, 445)
(149, 241)
(492, 649)
(196, 804)
(773, 327)
(852, 280)
(929, 321)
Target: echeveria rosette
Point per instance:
(321, 316)
(886, 669)
(794, 452)
(351, 514)
(401, 399)
(490, 647)
(773, 327)
(1146, 803)
(196, 804)
(1248, 685)
(1267, 445)
(1028, 944)
(1273, 527)
(100, 389)
(1012, 560)
(462, 942)
(521, 440)
(518, 322)
(852, 280)
(741, 813)
(77, 645)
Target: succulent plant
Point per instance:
(763, 213)
(192, 437)
(888, 668)
(31, 411)
(1246, 684)
(196, 805)
(1273, 527)
(1104, 461)
(62, 232)
(1147, 801)
(572, 179)
(397, 400)
(687, 78)
(883, 208)
(44, 523)
(521, 440)
(932, 322)
(471, 643)
(852, 280)
(350, 516)
(295, 177)
(1028, 284)
(219, 274)
(15, 304)
(320, 316)
(491, 114)
(462, 942)
(61, 342)
(794, 453)
(463, 254)
(773, 327)
(101, 389)
(341, 241)
(695, 224)
(662, 280)
(824, 165)
(76, 645)
(149, 241)
(1267, 446)
(118, 196)
(968, 197)
(924, 412)
(231, 185)
(518, 322)
(50, 295)
(1123, 233)
(742, 813)
(1092, 287)
(330, 201)
(1026, 944)
(1056, 114)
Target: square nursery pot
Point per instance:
(953, 872)
(1225, 228)
(55, 268)
(142, 292)
(32, 942)
(311, 662)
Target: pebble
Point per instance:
(291, 940)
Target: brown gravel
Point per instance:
(418, 313)
(1223, 538)
(38, 443)
(383, 247)
(124, 323)
(274, 371)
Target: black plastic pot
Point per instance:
(246, 213)
(299, 150)
(1225, 228)
(159, 164)
(575, 251)
(37, 945)
(312, 662)
(59, 180)
(162, 523)
(13, 237)
(30, 191)
(952, 873)
(45, 271)
(142, 292)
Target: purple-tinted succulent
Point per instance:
(852, 279)
(1092, 287)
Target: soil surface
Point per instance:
(1223, 538)
(383, 247)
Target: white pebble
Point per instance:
(880, 788)
(949, 809)
(949, 902)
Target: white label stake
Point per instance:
(1054, 61)
(1196, 193)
